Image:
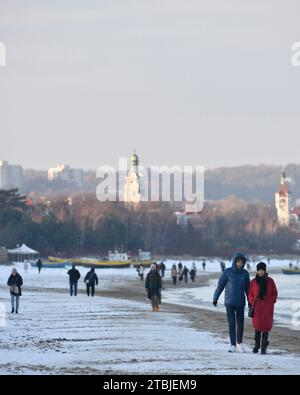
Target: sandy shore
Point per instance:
(202, 320)
(205, 320)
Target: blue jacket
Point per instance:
(236, 283)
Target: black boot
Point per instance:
(12, 311)
(264, 343)
(257, 342)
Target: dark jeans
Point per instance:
(235, 317)
(90, 288)
(73, 289)
(174, 280)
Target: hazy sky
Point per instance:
(185, 82)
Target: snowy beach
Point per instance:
(116, 331)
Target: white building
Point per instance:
(65, 173)
(282, 202)
(132, 190)
(11, 176)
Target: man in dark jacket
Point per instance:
(74, 276)
(162, 268)
(185, 273)
(39, 265)
(15, 282)
(236, 282)
(153, 285)
(90, 280)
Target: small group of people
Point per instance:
(261, 293)
(90, 279)
(182, 273)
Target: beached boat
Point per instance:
(114, 260)
(291, 271)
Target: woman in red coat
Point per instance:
(262, 296)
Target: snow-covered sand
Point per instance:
(55, 333)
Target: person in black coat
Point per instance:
(90, 280)
(15, 283)
(162, 268)
(192, 274)
(74, 276)
(39, 265)
(153, 285)
(185, 273)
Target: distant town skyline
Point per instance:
(206, 83)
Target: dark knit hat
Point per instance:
(261, 266)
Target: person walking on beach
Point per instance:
(222, 264)
(185, 273)
(39, 265)
(179, 268)
(153, 285)
(90, 280)
(194, 267)
(192, 274)
(236, 282)
(162, 268)
(262, 297)
(74, 276)
(141, 272)
(15, 283)
(174, 274)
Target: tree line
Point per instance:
(86, 226)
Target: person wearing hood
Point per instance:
(90, 280)
(236, 282)
(15, 282)
(153, 285)
(262, 297)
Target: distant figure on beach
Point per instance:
(141, 272)
(262, 296)
(194, 267)
(174, 274)
(15, 283)
(236, 282)
(26, 265)
(291, 265)
(185, 273)
(203, 265)
(90, 280)
(39, 265)
(74, 276)
(153, 285)
(222, 264)
(162, 269)
(192, 274)
(179, 267)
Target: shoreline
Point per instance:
(281, 338)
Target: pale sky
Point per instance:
(185, 82)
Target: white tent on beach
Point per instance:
(22, 253)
